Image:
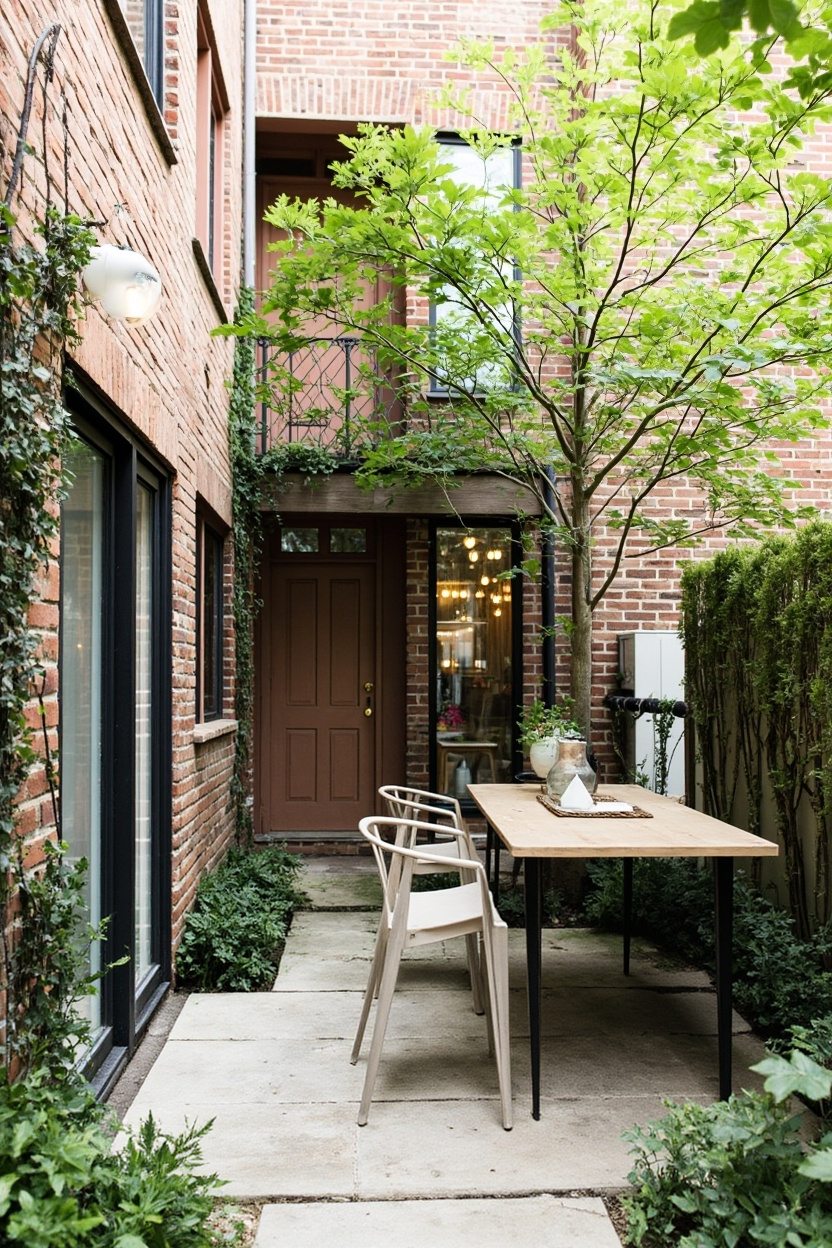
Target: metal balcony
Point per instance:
(330, 392)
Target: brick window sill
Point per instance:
(213, 729)
(208, 278)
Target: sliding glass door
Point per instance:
(82, 676)
(115, 717)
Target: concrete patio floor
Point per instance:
(272, 1070)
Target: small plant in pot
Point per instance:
(541, 727)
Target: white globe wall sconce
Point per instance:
(126, 285)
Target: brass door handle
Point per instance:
(368, 710)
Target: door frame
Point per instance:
(386, 546)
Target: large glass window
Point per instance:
(474, 651)
(82, 614)
(471, 359)
(114, 717)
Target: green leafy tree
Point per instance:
(649, 307)
(805, 28)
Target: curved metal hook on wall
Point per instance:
(49, 39)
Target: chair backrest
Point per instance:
(406, 802)
(395, 838)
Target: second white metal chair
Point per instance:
(444, 814)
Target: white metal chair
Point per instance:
(413, 919)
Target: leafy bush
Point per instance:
(236, 930)
(673, 903)
(61, 1186)
(779, 980)
(735, 1174)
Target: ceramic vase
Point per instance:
(571, 761)
(542, 754)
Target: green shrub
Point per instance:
(735, 1174)
(61, 1186)
(673, 903)
(235, 932)
(779, 979)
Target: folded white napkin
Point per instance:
(610, 808)
(576, 796)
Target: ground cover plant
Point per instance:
(735, 1174)
(62, 1186)
(237, 927)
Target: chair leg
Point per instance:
(475, 971)
(496, 953)
(370, 991)
(385, 999)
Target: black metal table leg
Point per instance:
(532, 892)
(628, 910)
(724, 897)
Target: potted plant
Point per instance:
(450, 720)
(541, 727)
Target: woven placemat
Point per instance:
(635, 813)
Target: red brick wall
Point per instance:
(164, 380)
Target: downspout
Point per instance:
(249, 122)
(547, 597)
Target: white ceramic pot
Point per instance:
(542, 755)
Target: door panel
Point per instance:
(317, 744)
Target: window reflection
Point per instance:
(142, 956)
(299, 541)
(82, 557)
(473, 657)
(347, 541)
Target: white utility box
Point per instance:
(652, 665)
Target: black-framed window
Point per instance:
(210, 621)
(476, 653)
(145, 20)
(326, 537)
(211, 109)
(493, 175)
(114, 696)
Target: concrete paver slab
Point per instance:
(273, 1070)
(527, 1223)
(453, 1148)
(270, 1151)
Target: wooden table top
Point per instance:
(529, 830)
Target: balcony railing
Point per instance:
(329, 391)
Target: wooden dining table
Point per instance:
(517, 820)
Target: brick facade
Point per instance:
(162, 383)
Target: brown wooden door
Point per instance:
(317, 744)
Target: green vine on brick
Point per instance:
(246, 470)
(757, 626)
(253, 475)
(40, 962)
